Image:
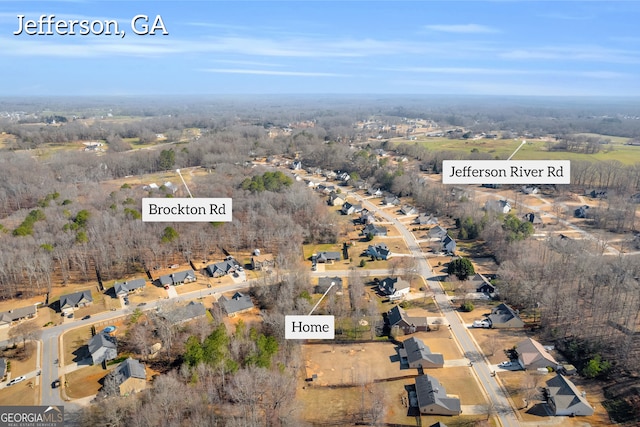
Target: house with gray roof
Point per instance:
(533, 355)
(222, 268)
(397, 318)
(374, 230)
(378, 251)
(498, 206)
(326, 257)
(482, 284)
(238, 303)
(390, 201)
(394, 287)
(433, 399)
(437, 233)
(565, 399)
(408, 210)
(325, 282)
(503, 316)
(102, 347)
(448, 244)
(349, 208)
(417, 355)
(17, 314)
(424, 219)
(3, 368)
(130, 376)
(185, 313)
(178, 278)
(70, 302)
(129, 286)
(336, 199)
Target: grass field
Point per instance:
(533, 150)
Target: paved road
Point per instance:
(480, 366)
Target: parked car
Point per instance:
(505, 364)
(141, 304)
(16, 380)
(88, 316)
(55, 383)
(481, 324)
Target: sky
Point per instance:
(545, 48)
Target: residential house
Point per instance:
(3, 368)
(238, 303)
(503, 316)
(408, 210)
(417, 355)
(367, 217)
(448, 245)
(130, 376)
(178, 278)
(359, 184)
(565, 399)
(185, 313)
(170, 187)
(376, 192)
(296, 165)
(395, 288)
(397, 317)
(262, 262)
(326, 189)
(481, 284)
(102, 347)
(391, 201)
(499, 206)
(532, 355)
(533, 218)
(374, 230)
(344, 177)
(327, 257)
(70, 302)
(527, 189)
(325, 282)
(222, 268)
(348, 208)
(379, 251)
(582, 212)
(129, 286)
(7, 318)
(424, 219)
(433, 399)
(336, 199)
(437, 233)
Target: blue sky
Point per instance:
(346, 47)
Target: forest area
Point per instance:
(62, 220)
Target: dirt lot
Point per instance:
(85, 381)
(22, 360)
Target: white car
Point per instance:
(481, 324)
(16, 380)
(506, 364)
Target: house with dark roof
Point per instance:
(582, 212)
(533, 218)
(222, 268)
(376, 192)
(325, 282)
(379, 251)
(130, 376)
(7, 318)
(437, 233)
(178, 278)
(336, 199)
(367, 217)
(417, 355)
(424, 219)
(532, 355)
(3, 368)
(238, 303)
(129, 286)
(397, 317)
(374, 230)
(448, 244)
(185, 313)
(70, 302)
(262, 261)
(394, 287)
(482, 284)
(348, 208)
(503, 316)
(565, 399)
(102, 347)
(433, 399)
(328, 257)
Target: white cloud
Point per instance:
(598, 74)
(462, 28)
(271, 72)
(574, 53)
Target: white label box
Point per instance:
(312, 327)
(506, 171)
(186, 210)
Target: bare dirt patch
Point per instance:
(86, 381)
(22, 359)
